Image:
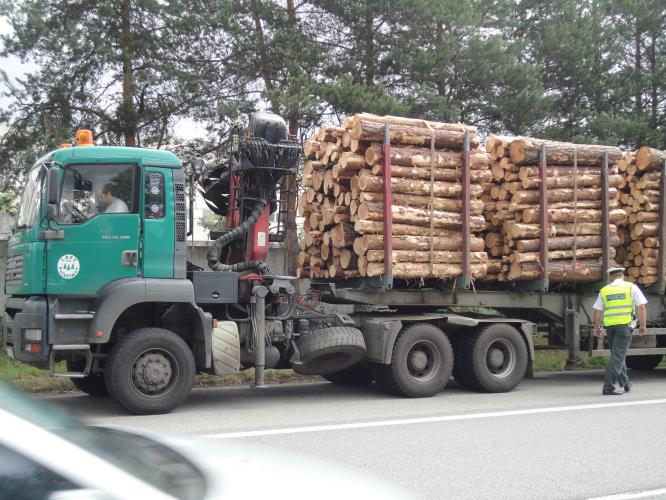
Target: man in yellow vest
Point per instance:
(616, 304)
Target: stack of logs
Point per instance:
(343, 202)
(641, 198)
(574, 208)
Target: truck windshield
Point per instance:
(30, 201)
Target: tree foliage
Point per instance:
(591, 70)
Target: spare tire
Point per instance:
(330, 350)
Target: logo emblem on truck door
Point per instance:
(68, 266)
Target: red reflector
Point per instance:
(32, 347)
(99, 334)
(214, 323)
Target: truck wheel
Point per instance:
(150, 370)
(329, 350)
(493, 359)
(92, 385)
(421, 363)
(357, 376)
(644, 363)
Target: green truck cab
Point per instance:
(99, 253)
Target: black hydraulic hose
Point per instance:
(215, 251)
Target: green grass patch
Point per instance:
(29, 378)
(555, 360)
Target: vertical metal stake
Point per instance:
(661, 265)
(543, 219)
(466, 273)
(259, 293)
(605, 232)
(388, 209)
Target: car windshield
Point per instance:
(144, 458)
(29, 207)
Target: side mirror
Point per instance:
(52, 193)
(52, 186)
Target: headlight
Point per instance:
(32, 334)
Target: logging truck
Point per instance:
(448, 259)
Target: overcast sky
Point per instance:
(185, 129)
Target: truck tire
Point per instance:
(494, 359)
(421, 363)
(644, 363)
(150, 371)
(329, 350)
(358, 375)
(93, 384)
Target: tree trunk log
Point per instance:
(410, 186)
(568, 181)
(411, 270)
(649, 159)
(516, 230)
(445, 240)
(419, 216)
(527, 150)
(440, 174)
(560, 270)
(558, 195)
(413, 200)
(413, 122)
(556, 215)
(565, 242)
(409, 135)
(420, 157)
(414, 256)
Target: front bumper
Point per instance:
(19, 315)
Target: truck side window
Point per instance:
(89, 190)
(154, 195)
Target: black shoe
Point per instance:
(627, 388)
(614, 392)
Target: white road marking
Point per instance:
(633, 494)
(427, 420)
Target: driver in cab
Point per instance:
(111, 202)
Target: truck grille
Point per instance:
(14, 270)
(181, 226)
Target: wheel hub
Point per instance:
(496, 358)
(152, 372)
(418, 360)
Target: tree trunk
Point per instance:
(409, 186)
(445, 240)
(516, 230)
(412, 122)
(411, 270)
(413, 200)
(560, 270)
(418, 216)
(587, 180)
(526, 151)
(559, 195)
(556, 215)
(414, 256)
(565, 242)
(128, 117)
(439, 174)
(649, 159)
(408, 135)
(420, 157)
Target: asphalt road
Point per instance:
(552, 437)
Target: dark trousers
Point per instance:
(619, 338)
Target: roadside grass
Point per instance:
(31, 379)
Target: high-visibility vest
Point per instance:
(618, 306)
